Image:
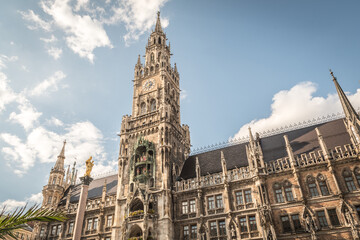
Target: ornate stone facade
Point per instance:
(301, 184)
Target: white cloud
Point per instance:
(183, 94)
(12, 204)
(35, 20)
(4, 59)
(27, 117)
(49, 40)
(55, 122)
(83, 140)
(297, 105)
(84, 33)
(7, 95)
(50, 84)
(138, 16)
(55, 52)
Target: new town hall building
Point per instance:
(302, 183)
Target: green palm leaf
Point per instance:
(11, 221)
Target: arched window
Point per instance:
(322, 185)
(54, 180)
(159, 40)
(153, 105)
(154, 40)
(152, 58)
(278, 193)
(159, 57)
(312, 186)
(143, 108)
(288, 191)
(357, 174)
(349, 181)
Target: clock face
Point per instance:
(149, 84)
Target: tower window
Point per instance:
(152, 58)
(153, 105)
(159, 40)
(349, 181)
(143, 108)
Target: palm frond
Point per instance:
(11, 221)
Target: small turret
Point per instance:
(158, 23)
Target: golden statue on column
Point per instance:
(89, 166)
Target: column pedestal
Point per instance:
(79, 220)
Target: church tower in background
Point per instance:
(153, 146)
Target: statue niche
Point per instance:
(143, 161)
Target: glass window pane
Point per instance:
(193, 231)
(213, 229)
(296, 222)
(89, 224)
(247, 194)
(323, 188)
(279, 196)
(252, 222)
(286, 224)
(243, 224)
(239, 198)
(184, 207)
(313, 190)
(289, 194)
(322, 218)
(186, 232)
(350, 183)
(219, 202)
(222, 228)
(211, 203)
(334, 220)
(192, 206)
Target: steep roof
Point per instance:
(303, 140)
(95, 189)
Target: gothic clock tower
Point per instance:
(153, 147)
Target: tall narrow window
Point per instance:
(252, 223)
(211, 203)
(278, 193)
(71, 227)
(53, 230)
(323, 188)
(219, 202)
(49, 200)
(222, 228)
(186, 232)
(153, 105)
(213, 229)
(192, 206)
(193, 232)
(357, 174)
(95, 223)
(349, 181)
(42, 232)
(89, 224)
(109, 221)
(312, 186)
(184, 207)
(358, 210)
(54, 181)
(296, 221)
(243, 224)
(248, 198)
(322, 218)
(286, 224)
(334, 220)
(143, 108)
(239, 198)
(58, 232)
(288, 191)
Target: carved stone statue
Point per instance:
(89, 166)
(233, 232)
(349, 218)
(310, 224)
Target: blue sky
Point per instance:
(66, 69)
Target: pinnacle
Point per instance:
(158, 23)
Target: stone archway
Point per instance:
(135, 232)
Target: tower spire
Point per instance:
(59, 165)
(158, 23)
(349, 110)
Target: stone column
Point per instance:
(81, 207)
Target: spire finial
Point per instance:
(332, 74)
(158, 23)
(138, 61)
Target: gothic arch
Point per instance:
(135, 231)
